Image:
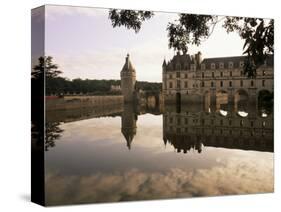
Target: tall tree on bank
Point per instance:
(257, 33)
(46, 69)
(45, 65)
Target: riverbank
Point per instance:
(75, 102)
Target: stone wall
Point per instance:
(74, 102)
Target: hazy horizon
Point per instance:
(84, 44)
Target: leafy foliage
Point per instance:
(60, 85)
(129, 18)
(45, 65)
(190, 29)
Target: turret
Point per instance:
(164, 65)
(128, 80)
(198, 58)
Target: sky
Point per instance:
(84, 44)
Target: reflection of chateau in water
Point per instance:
(191, 128)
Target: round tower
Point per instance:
(128, 80)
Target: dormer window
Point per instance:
(230, 65)
(241, 64)
(221, 65)
(203, 66)
(213, 65)
(192, 67)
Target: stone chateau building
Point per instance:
(191, 78)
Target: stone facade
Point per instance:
(128, 80)
(191, 78)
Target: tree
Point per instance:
(257, 33)
(46, 69)
(129, 18)
(46, 65)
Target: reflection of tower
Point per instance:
(128, 80)
(129, 123)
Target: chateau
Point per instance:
(191, 78)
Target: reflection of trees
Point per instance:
(53, 133)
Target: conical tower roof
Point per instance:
(128, 67)
(129, 136)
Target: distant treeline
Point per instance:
(60, 85)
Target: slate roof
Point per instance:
(128, 67)
(186, 60)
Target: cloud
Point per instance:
(55, 11)
(232, 177)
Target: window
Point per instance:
(241, 64)
(178, 84)
(202, 74)
(252, 83)
(241, 73)
(230, 65)
(203, 83)
(230, 122)
(221, 65)
(178, 120)
(213, 74)
(185, 84)
(230, 83)
(170, 85)
(221, 83)
(221, 74)
(263, 83)
(252, 123)
(185, 76)
(192, 67)
(241, 83)
(212, 84)
(203, 66)
(213, 65)
(230, 73)
(186, 120)
(171, 120)
(178, 75)
(263, 72)
(221, 122)
(171, 76)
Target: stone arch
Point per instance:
(241, 100)
(263, 92)
(221, 99)
(265, 102)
